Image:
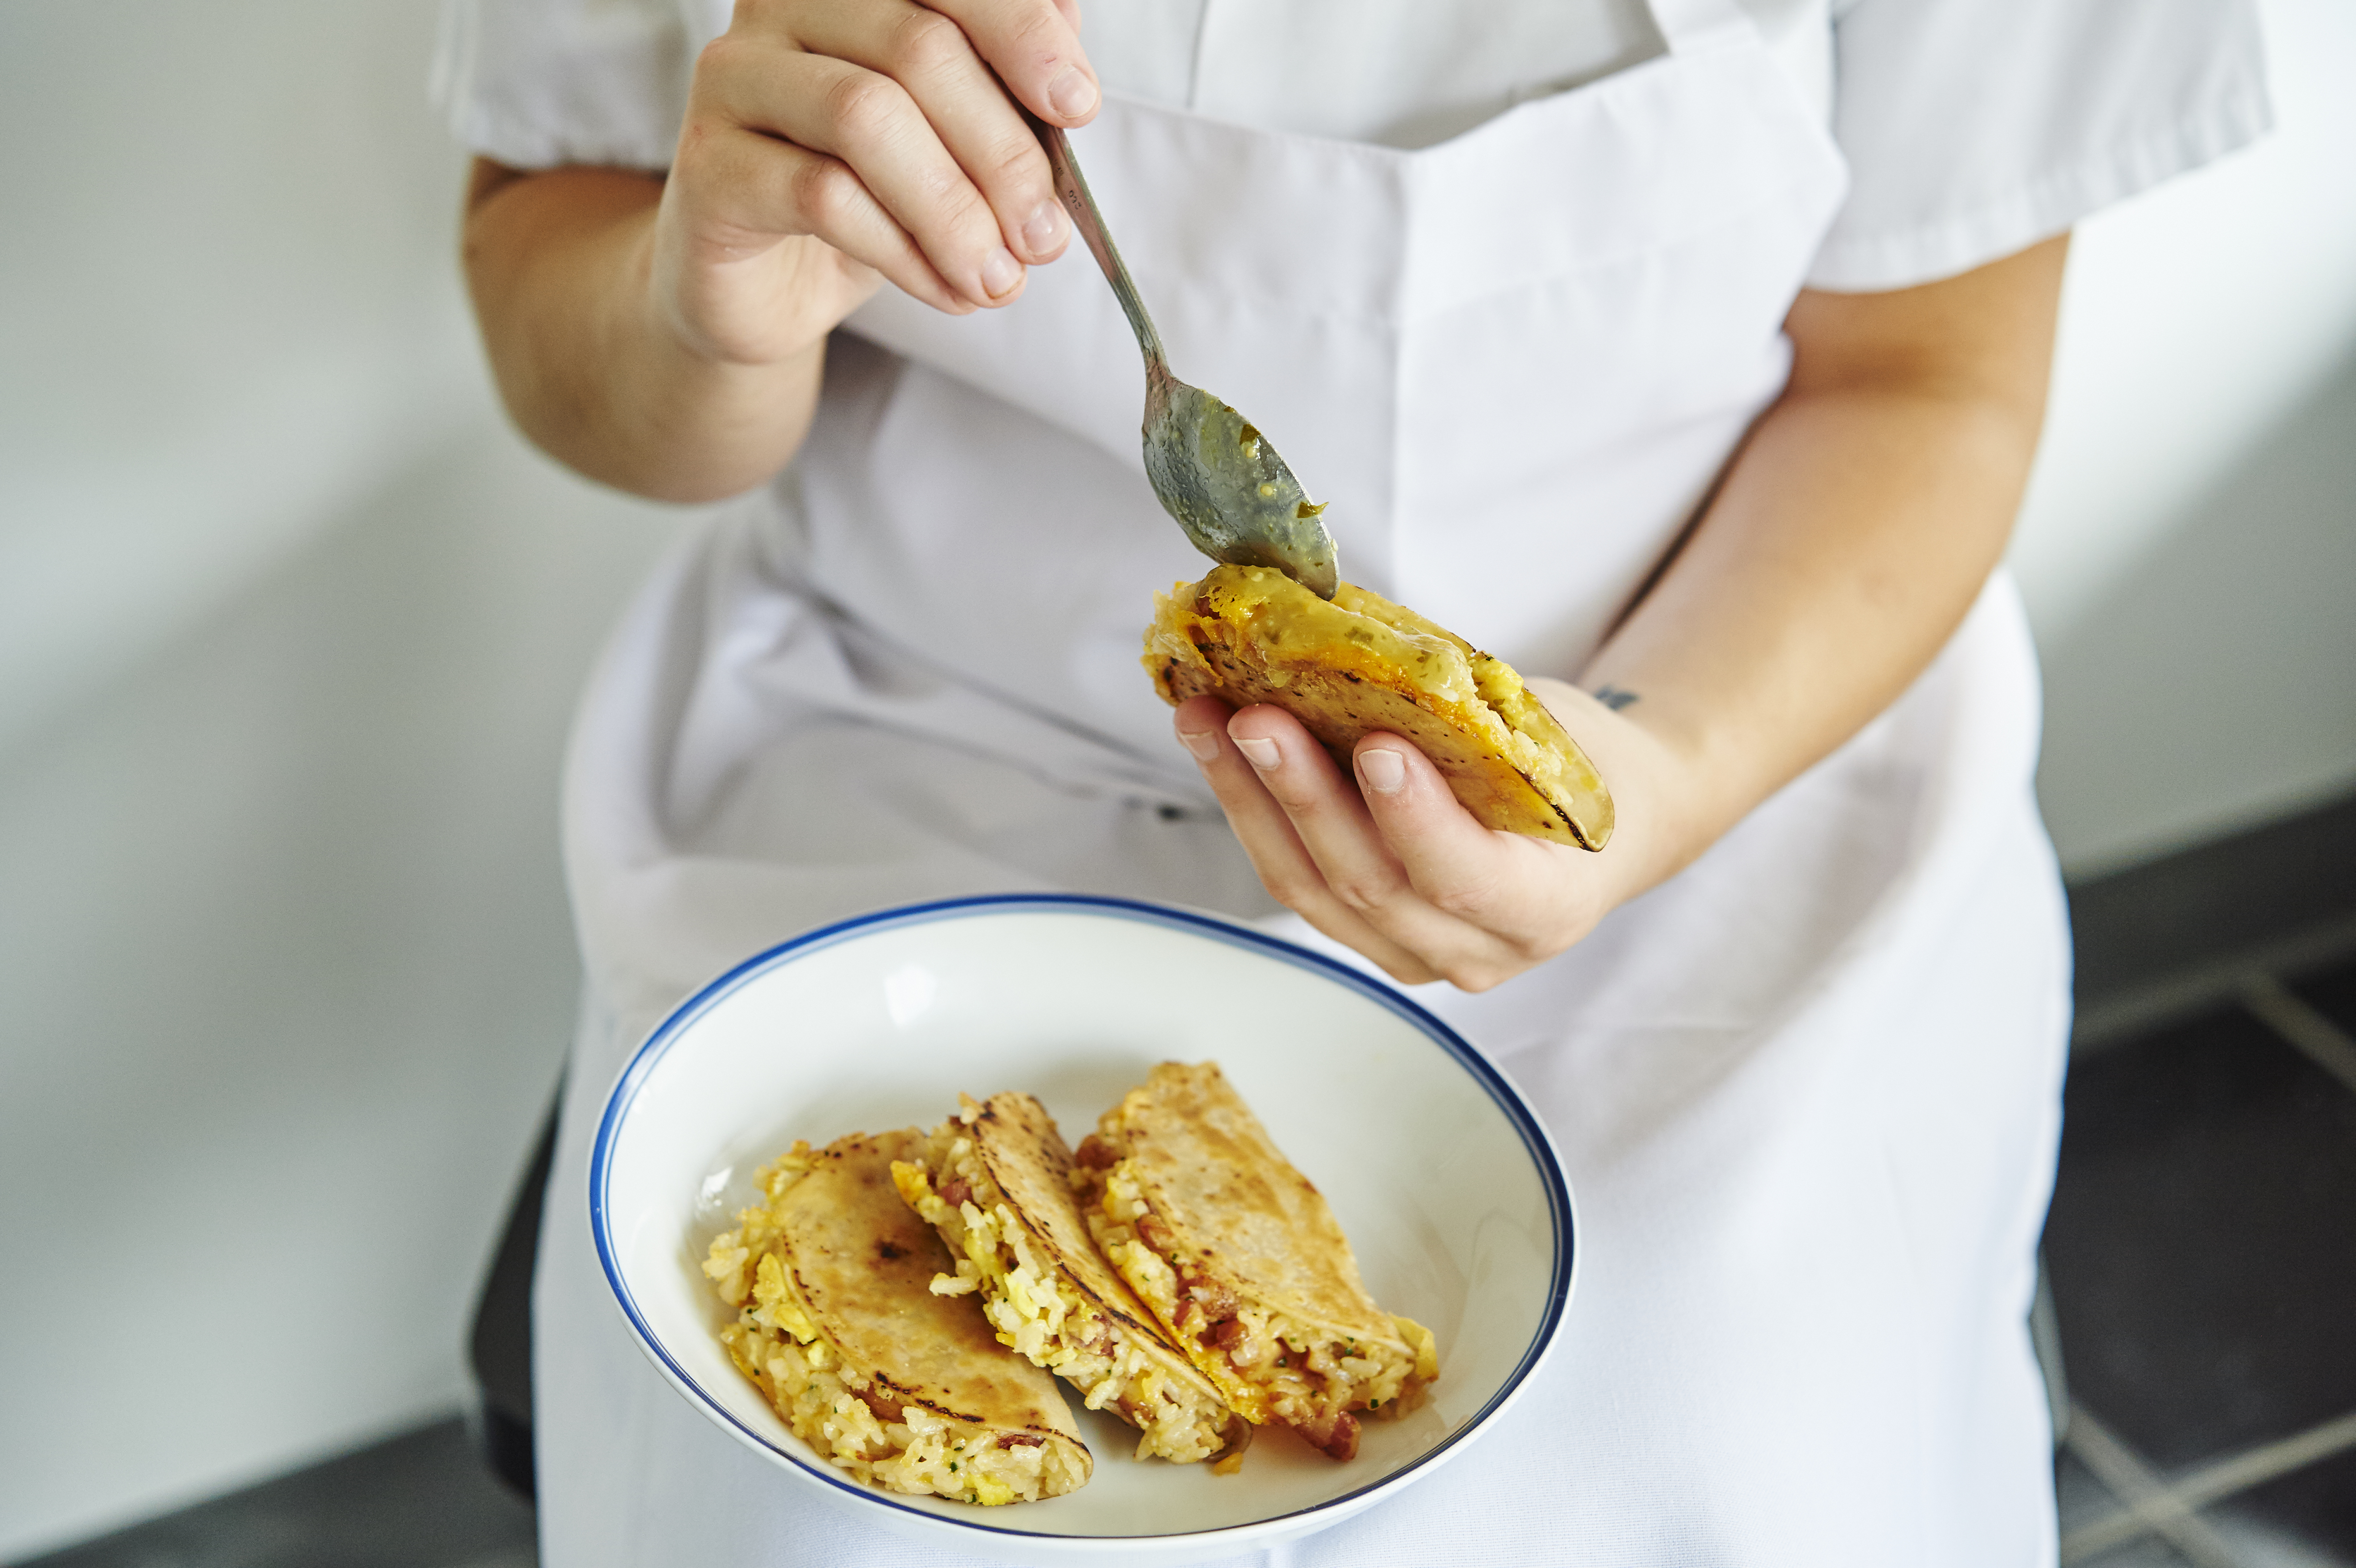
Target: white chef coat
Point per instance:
(1506, 284)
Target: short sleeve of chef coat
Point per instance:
(1974, 128)
(536, 84)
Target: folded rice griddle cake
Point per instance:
(996, 1181)
(1360, 664)
(838, 1323)
(1242, 1261)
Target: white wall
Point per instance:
(289, 629)
(289, 626)
(287, 976)
(228, 308)
(2189, 545)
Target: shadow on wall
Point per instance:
(2221, 666)
(288, 975)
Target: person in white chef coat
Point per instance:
(1690, 352)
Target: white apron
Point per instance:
(1807, 1091)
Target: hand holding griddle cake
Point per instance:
(1453, 857)
(1361, 665)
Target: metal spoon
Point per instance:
(1215, 473)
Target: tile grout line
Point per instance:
(2149, 1504)
(2221, 1478)
(2289, 1014)
(2127, 1016)
(2215, 1481)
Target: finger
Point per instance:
(868, 122)
(1284, 867)
(1034, 47)
(751, 187)
(1459, 868)
(1358, 867)
(965, 104)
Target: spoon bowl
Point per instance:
(1215, 472)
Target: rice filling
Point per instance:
(1276, 1367)
(1241, 1260)
(1037, 1310)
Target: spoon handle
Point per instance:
(1072, 188)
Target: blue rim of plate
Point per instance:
(1508, 1100)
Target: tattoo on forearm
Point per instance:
(1614, 697)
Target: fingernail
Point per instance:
(1383, 769)
(1262, 753)
(1000, 274)
(1071, 94)
(1044, 228)
(1201, 742)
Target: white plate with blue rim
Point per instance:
(1442, 1177)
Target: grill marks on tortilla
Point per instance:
(1025, 1156)
(1231, 1199)
(837, 1325)
(864, 1265)
(1241, 1259)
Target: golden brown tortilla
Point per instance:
(1360, 664)
(857, 1297)
(1242, 1261)
(866, 1266)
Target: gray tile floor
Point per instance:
(423, 1499)
(2202, 1254)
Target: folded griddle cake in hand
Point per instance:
(838, 1323)
(1360, 664)
(1241, 1259)
(996, 1181)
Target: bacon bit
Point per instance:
(1021, 1440)
(885, 1409)
(1186, 1309)
(1217, 1299)
(955, 1190)
(1156, 1234)
(1342, 1439)
(1226, 1333)
(1095, 1153)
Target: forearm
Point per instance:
(559, 264)
(1844, 547)
(1851, 537)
